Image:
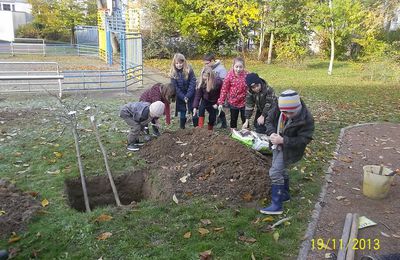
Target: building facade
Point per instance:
(13, 13)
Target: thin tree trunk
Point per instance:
(271, 45)
(332, 37)
(83, 181)
(103, 150)
(262, 38)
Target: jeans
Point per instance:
(278, 172)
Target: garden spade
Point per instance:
(188, 113)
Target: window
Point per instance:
(6, 7)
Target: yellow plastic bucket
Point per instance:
(376, 184)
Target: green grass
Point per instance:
(155, 230)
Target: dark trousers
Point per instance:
(235, 114)
(212, 113)
(261, 129)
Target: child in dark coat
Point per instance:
(184, 81)
(137, 115)
(160, 92)
(207, 94)
(260, 96)
(290, 126)
(220, 72)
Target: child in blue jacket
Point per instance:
(184, 81)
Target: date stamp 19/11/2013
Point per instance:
(357, 244)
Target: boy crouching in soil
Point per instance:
(290, 126)
(137, 115)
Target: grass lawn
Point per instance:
(37, 157)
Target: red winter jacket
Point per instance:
(235, 88)
(154, 94)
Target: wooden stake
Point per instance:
(103, 150)
(78, 156)
(345, 237)
(353, 238)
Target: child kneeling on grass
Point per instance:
(137, 115)
(290, 126)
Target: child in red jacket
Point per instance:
(234, 88)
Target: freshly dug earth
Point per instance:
(213, 163)
(129, 187)
(361, 145)
(16, 208)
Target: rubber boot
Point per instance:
(276, 201)
(156, 131)
(201, 121)
(182, 122)
(195, 120)
(210, 127)
(286, 194)
(223, 121)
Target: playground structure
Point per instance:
(116, 40)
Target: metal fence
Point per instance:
(45, 49)
(30, 77)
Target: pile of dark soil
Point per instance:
(199, 162)
(16, 208)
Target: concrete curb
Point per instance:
(306, 244)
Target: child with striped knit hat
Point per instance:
(290, 126)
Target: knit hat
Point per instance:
(252, 79)
(157, 109)
(289, 101)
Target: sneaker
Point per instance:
(133, 147)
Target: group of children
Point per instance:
(286, 119)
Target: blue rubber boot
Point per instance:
(276, 201)
(286, 194)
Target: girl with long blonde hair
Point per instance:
(184, 81)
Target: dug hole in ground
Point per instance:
(186, 163)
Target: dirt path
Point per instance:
(361, 145)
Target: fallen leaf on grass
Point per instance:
(252, 256)
(203, 231)
(103, 218)
(206, 255)
(175, 199)
(33, 193)
(104, 236)
(276, 236)
(205, 222)
(54, 172)
(45, 203)
(14, 238)
(340, 197)
(345, 159)
(17, 154)
(219, 229)
(247, 239)
(268, 219)
(187, 234)
(184, 179)
(58, 155)
(247, 197)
